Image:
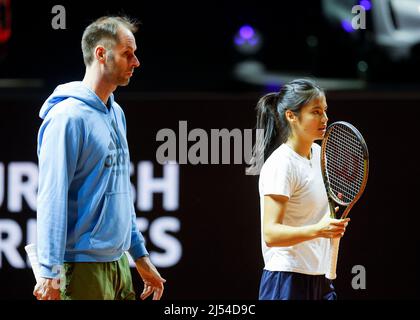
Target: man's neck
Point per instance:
(102, 88)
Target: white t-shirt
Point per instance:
(289, 174)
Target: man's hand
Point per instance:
(153, 282)
(47, 289)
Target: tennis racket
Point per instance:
(345, 168)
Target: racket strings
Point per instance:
(345, 164)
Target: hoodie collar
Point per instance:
(76, 90)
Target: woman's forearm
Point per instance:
(280, 235)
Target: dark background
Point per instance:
(187, 56)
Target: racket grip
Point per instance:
(331, 274)
(31, 250)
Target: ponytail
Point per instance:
(267, 120)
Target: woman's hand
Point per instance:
(328, 227)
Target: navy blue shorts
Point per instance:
(282, 285)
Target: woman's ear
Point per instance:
(290, 116)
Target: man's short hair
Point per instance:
(104, 31)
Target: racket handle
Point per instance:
(331, 274)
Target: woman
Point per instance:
(296, 225)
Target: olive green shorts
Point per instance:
(98, 281)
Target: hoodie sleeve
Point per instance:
(137, 248)
(59, 143)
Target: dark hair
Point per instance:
(271, 117)
(104, 30)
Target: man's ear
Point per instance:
(100, 54)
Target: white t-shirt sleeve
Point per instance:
(276, 178)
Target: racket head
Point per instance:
(344, 163)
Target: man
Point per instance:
(86, 218)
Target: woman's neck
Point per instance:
(302, 148)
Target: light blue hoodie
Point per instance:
(85, 208)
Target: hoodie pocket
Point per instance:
(111, 233)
